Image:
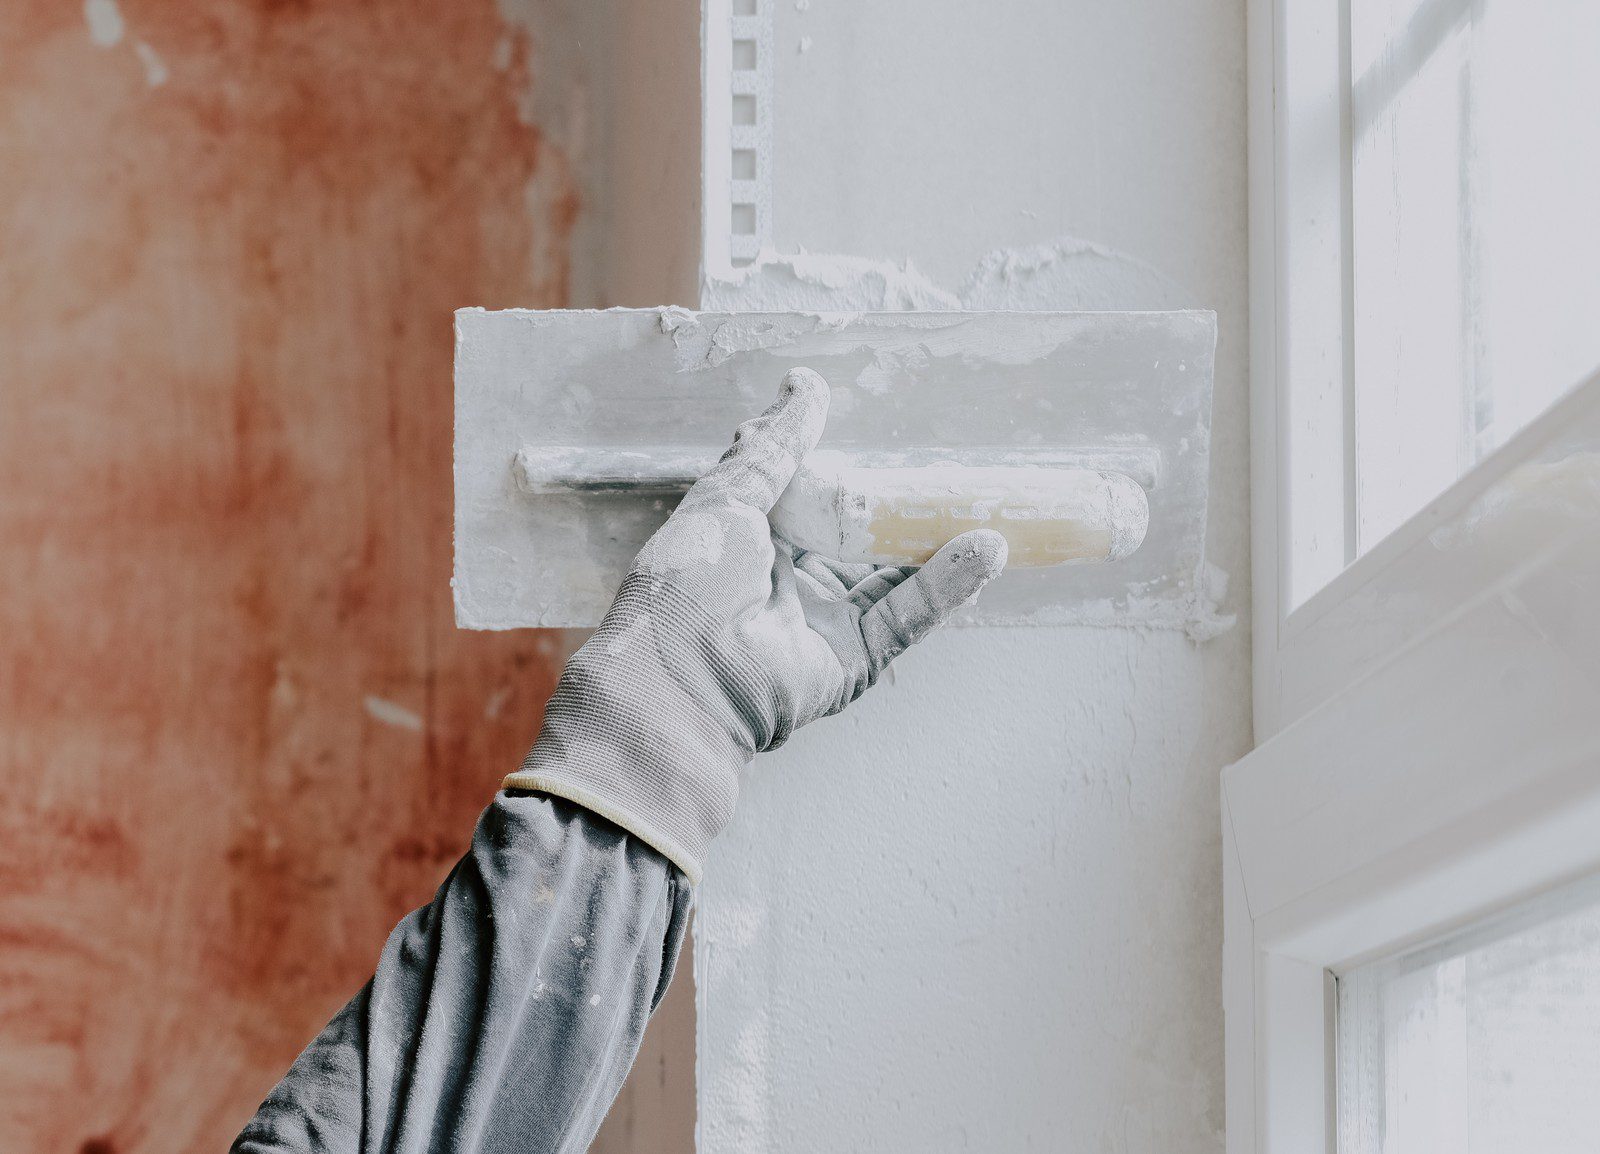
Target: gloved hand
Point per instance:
(723, 639)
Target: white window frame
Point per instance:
(1303, 460)
(1429, 720)
(1459, 777)
(1299, 250)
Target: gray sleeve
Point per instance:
(505, 1014)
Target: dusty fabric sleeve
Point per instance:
(505, 1014)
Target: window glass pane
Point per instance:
(1485, 1043)
(1475, 242)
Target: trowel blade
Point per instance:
(1125, 391)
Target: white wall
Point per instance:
(939, 130)
(981, 910)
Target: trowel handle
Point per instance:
(1049, 513)
(553, 470)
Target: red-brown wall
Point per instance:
(239, 733)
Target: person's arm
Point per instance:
(505, 1014)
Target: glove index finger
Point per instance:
(768, 449)
(912, 609)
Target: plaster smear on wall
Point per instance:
(1066, 274)
(819, 283)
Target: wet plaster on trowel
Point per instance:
(981, 909)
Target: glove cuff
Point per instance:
(691, 862)
(652, 720)
(670, 779)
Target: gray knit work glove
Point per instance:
(723, 639)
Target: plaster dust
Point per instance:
(806, 282)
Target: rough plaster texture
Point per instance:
(982, 909)
(978, 911)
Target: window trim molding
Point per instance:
(1428, 722)
(1457, 776)
(1261, 132)
(1302, 452)
(1371, 885)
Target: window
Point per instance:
(1458, 779)
(1475, 155)
(1425, 427)
(1425, 280)
(1487, 1042)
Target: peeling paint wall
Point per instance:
(981, 910)
(239, 733)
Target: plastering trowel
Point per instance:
(1083, 437)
